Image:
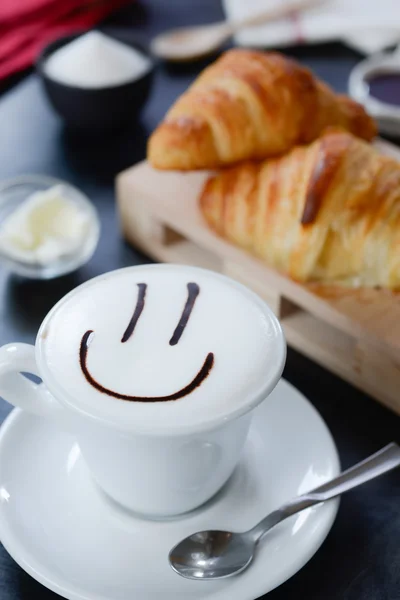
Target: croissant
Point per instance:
(250, 105)
(327, 212)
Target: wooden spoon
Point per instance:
(190, 43)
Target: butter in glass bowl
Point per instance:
(47, 227)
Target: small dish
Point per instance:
(387, 115)
(13, 192)
(96, 109)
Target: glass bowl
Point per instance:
(382, 63)
(13, 192)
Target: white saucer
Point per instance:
(59, 528)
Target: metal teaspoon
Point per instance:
(219, 554)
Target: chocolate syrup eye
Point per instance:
(137, 312)
(193, 292)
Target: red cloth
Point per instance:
(28, 25)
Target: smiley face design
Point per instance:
(193, 293)
(147, 336)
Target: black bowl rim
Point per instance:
(62, 40)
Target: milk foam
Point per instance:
(225, 320)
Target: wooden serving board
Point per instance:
(353, 333)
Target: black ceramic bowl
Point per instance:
(96, 109)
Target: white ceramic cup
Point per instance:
(162, 467)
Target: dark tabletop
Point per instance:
(360, 560)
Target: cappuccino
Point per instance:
(160, 345)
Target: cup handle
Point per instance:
(20, 391)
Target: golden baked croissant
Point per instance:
(250, 105)
(328, 212)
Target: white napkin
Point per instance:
(367, 25)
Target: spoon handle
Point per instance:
(377, 464)
(271, 14)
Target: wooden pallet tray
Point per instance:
(353, 333)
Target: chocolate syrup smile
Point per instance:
(193, 292)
